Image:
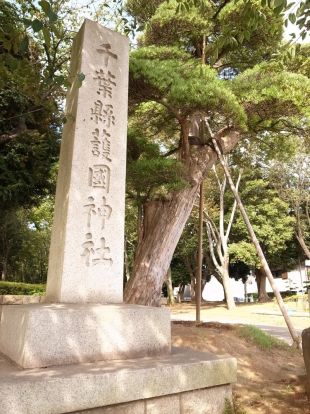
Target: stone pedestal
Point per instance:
(86, 254)
(185, 381)
(41, 335)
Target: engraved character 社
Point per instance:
(105, 83)
(103, 253)
(88, 248)
(99, 176)
(105, 49)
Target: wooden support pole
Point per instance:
(199, 256)
(296, 338)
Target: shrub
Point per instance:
(14, 288)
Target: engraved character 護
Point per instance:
(95, 143)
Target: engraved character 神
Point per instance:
(88, 248)
(105, 81)
(90, 210)
(104, 211)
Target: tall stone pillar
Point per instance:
(86, 254)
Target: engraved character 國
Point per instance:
(88, 248)
(105, 49)
(105, 212)
(105, 81)
(90, 210)
(99, 176)
(102, 252)
(95, 143)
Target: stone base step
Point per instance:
(121, 386)
(41, 335)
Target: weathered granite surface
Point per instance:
(87, 244)
(203, 401)
(74, 388)
(40, 335)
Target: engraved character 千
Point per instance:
(105, 49)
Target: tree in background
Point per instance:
(218, 236)
(272, 224)
(256, 101)
(292, 181)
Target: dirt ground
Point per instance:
(268, 381)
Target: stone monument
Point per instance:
(85, 323)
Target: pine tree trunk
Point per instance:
(227, 286)
(164, 223)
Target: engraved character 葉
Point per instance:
(105, 212)
(105, 49)
(103, 253)
(99, 176)
(105, 83)
(88, 248)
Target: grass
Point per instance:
(16, 288)
(232, 407)
(260, 338)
